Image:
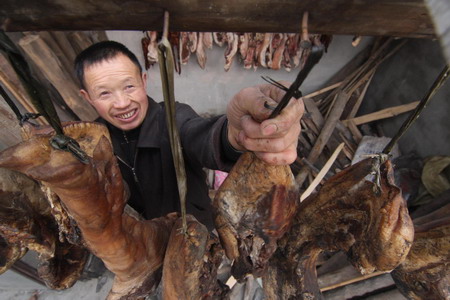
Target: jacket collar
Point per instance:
(151, 133)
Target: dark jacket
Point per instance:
(154, 191)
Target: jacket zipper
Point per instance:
(132, 168)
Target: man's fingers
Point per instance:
(283, 158)
(273, 144)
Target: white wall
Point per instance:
(209, 90)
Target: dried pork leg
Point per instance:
(63, 269)
(425, 274)
(145, 41)
(201, 55)
(253, 208)
(191, 262)
(174, 39)
(21, 225)
(277, 57)
(243, 44)
(259, 40)
(152, 53)
(275, 43)
(184, 50)
(232, 48)
(193, 41)
(94, 195)
(219, 38)
(28, 224)
(374, 230)
(264, 47)
(251, 48)
(208, 40)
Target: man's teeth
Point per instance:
(126, 116)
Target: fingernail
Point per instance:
(270, 129)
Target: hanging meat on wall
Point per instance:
(94, 195)
(350, 213)
(253, 209)
(269, 50)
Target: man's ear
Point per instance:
(85, 95)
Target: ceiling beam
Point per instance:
(363, 17)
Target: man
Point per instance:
(112, 81)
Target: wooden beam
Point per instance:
(364, 17)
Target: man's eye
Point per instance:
(129, 87)
(103, 94)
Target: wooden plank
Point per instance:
(364, 17)
(10, 127)
(35, 47)
(382, 114)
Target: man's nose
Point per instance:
(121, 100)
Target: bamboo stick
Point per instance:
(382, 114)
(322, 172)
(324, 90)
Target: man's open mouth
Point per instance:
(127, 115)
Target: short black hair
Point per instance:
(99, 52)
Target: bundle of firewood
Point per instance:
(268, 50)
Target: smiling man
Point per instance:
(113, 82)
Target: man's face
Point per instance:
(117, 91)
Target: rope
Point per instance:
(166, 67)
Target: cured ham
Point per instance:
(253, 208)
(370, 223)
(191, 263)
(94, 195)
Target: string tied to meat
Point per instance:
(165, 58)
(40, 99)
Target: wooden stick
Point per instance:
(324, 90)
(36, 49)
(352, 280)
(355, 107)
(357, 136)
(382, 114)
(322, 172)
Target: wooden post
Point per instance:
(35, 47)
